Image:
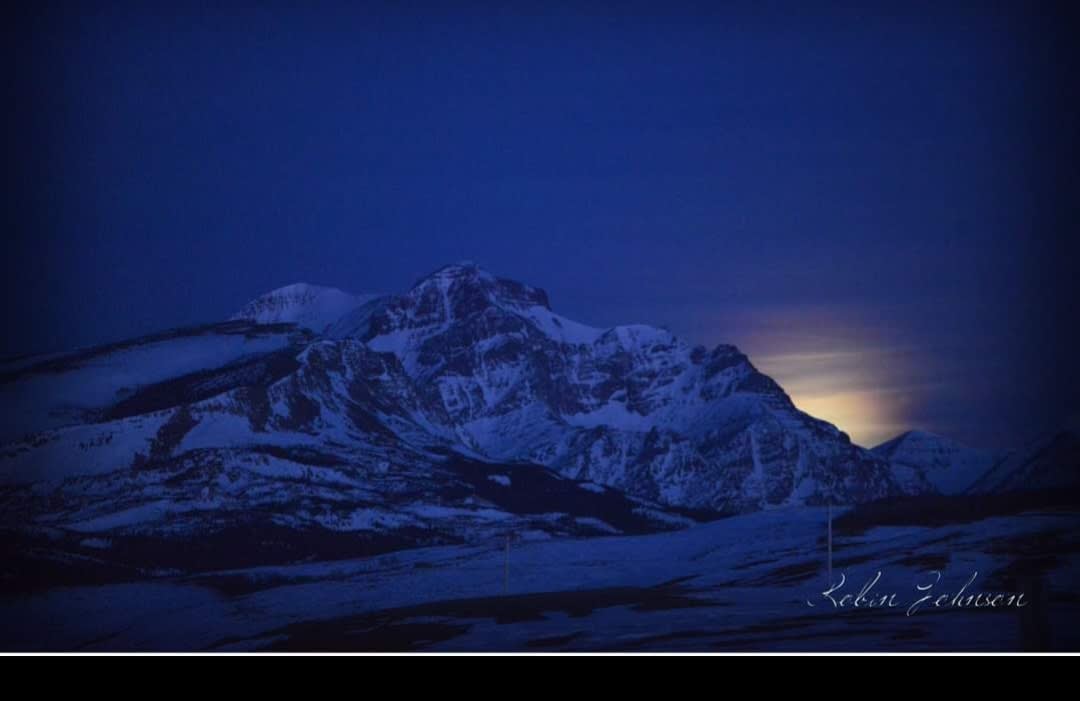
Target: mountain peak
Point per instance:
(462, 270)
(915, 438)
(465, 286)
(921, 435)
(925, 460)
(309, 306)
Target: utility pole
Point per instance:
(506, 567)
(830, 543)
(830, 498)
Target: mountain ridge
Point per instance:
(461, 410)
(506, 377)
(469, 361)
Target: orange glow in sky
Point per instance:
(858, 391)
(836, 366)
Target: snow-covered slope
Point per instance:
(925, 462)
(1049, 462)
(308, 306)
(314, 445)
(750, 582)
(88, 385)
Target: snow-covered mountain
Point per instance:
(308, 306)
(462, 409)
(925, 462)
(274, 467)
(494, 370)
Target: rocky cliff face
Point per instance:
(632, 407)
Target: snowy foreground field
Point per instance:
(742, 583)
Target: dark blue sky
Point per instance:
(870, 202)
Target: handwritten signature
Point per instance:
(927, 595)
